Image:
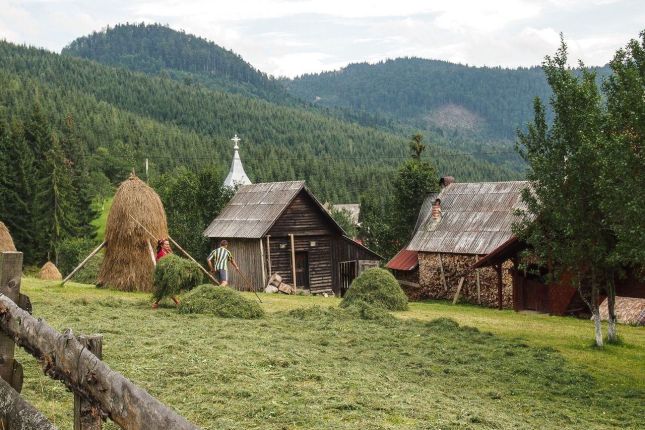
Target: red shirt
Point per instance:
(162, 253)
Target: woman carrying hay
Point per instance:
(163, 249)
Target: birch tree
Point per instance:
(564, 221)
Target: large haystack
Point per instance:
(49, 272)
(127, 265)
(6, 242)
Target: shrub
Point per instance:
(90, 272)
(72, 251)
(174, 274)
(219, 301)
(376, 287)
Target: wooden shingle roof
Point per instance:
(254, 209)
(476, 218)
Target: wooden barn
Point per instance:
(280, 227)
(457, 227)
(532, 292)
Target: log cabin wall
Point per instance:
(318, 250)
(246, 253)
(303, 217)
(345, 250)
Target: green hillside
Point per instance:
(486, 102)
(124, 117)
(158, 50)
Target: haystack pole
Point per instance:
(127, 265)
(6, 242)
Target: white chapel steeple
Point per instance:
(236, 176)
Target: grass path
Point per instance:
(303, 367)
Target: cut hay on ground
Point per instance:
(49, 272)
(223, 302)
(128, 265)
(629, 310)
(6, 242)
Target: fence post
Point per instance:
(10, 273)
(87, 416)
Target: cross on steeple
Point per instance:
(236, 175)
(236, 140)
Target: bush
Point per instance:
(74, 250)
(376, 287)
(174, 274)
(220, 301)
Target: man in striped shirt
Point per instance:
(218, 262)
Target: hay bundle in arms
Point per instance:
(174, 274)
(128, 264)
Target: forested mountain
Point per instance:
(124, 117)
(160, 50)
(487, 102)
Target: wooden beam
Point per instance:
(18, 414)
(499, 286)
(461, 282)
(64, 358)
(87, 416)
(152, 254)
(264, 279)
(92, 254)
(10, 274)
(293, 261)
(479, 296)
(443, 276)
(269, 254)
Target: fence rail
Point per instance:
(101, 391)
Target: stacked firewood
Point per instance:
(276, 285)
(455, 267)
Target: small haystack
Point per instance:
(6, 242)
(49, 272)
(127, 264)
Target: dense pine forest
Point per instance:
(84, 126)
(490, 102)
(159, 50)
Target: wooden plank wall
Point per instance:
(302, 217)
(246, 253)
(345, 250)
(319, 256)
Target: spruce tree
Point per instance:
(55, 203)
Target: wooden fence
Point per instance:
(99, 392)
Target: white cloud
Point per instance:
(292, 37)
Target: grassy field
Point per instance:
(100, 222)
(308, 364)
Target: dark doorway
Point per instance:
(302, 269)
(347, 275)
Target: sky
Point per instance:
(294, 37)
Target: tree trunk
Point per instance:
(612, 333)
(595, 310)
(18, 414)
(64, 358)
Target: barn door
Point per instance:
(347, 275)
(302, 269)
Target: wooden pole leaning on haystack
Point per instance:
(64, 358)
(212, 278)
(127, 265)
